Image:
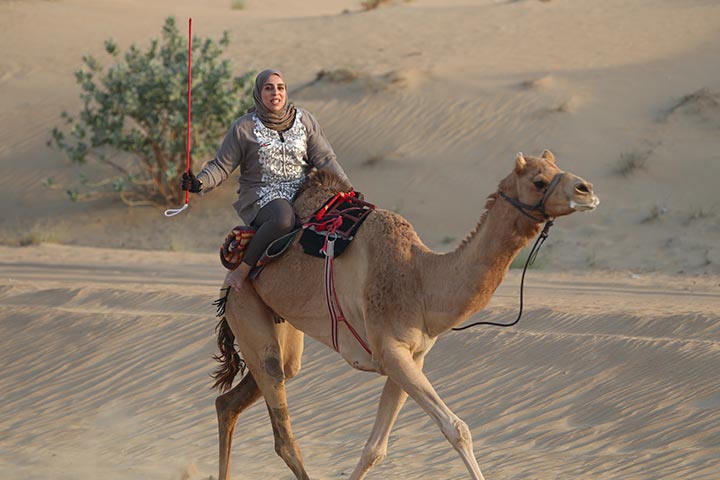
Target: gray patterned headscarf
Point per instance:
(279, 121)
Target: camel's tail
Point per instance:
(229, 359)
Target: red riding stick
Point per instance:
(174, 211)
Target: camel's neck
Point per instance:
(461, 283)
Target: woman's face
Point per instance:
(273, 94)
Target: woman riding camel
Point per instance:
(274, 145)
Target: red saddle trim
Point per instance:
(330, 217)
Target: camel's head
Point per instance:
(542, 189)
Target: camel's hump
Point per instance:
(319, 186)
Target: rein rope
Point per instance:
(530, 260)
(525, 209)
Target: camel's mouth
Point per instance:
(585, 207)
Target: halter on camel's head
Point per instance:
(541, 191)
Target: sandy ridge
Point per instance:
(621, 392)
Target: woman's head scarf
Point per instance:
(281, 120)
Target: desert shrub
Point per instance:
(696, 102)
(339, 75)
(373, 4)
(133, 118)
(656, 212)
(631, 162)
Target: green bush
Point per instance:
(134, 115)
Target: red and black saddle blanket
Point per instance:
(340, 218)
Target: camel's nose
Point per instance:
(584, 187)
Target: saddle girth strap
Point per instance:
(333, 303)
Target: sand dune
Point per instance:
(106, 327)
(439, 106)
(106, 365)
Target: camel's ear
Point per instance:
(520, 163)
(548, 155)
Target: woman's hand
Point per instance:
(190, 183)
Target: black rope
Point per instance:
(530, 260)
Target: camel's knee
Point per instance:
(273, 368)
(286, 449)
(279, 371)
(458, 434)
(372, 456)
(292, 367)
(281, 447)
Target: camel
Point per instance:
(397, 294)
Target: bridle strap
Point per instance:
(539, 207)
(524, 208)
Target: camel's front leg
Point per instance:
(398, 364)
(391, 401)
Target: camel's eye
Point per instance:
(539, 184)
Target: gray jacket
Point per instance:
(272, 164)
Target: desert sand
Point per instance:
(106, 327)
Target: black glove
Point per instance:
(190, 183)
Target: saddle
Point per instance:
(339, 218)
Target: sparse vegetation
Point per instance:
(372, 4)
(34, 236)
(373, 160)
(695, 102)
(134, 116)
(340, 75)
(534, 83)
(238, 4)
(631, 162)
(656, 212)
(699, 213)
(567, 106)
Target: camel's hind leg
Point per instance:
(272, 384)
(272, 353)
(229, 406)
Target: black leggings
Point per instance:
(272, 221)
